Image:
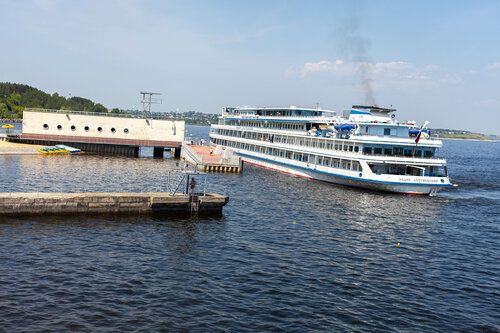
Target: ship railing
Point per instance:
(258, 117)
(399, 156)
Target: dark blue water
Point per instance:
(289, 254)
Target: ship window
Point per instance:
(345, 148)
(388, 151)
(46, 126)
(378, 150)
(113, 130)
(99, 129)
(398, 151)
(387, 131)
(418, 153)
(350, 148)
(125, 130)
(87, 129)
(367, 150)
(59, 127)
(73, 128)
(427, 153)
(408, 152)
(356, 149)
(366, 129)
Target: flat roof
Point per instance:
(373, 108)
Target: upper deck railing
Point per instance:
(303, 133)
(121, 114)
(281, 117)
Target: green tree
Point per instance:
(99, 108)
(15, 97)
(4, 111)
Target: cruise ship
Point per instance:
(366, 147)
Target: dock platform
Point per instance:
(115, 203)
(211, 159)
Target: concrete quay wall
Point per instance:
(91, 203)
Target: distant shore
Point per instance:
(6, 120)
(478, 140)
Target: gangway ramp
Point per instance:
(210, 158)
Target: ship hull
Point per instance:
(402, 188)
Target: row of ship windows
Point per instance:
(299, 141)
(398, 151)
(271, 124)
(86, 128)
(308, 158)
(387, 131)
(324, 144)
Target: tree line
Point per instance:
(14, 98)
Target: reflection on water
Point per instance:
(288, 254)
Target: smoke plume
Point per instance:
(353, 47)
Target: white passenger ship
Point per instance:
(365, 148)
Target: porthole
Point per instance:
(59, 127)
(73, 128)
(125, 130)
(86, 128)
(99, 129)
(46, 126)
(113, 130)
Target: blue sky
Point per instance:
(432, 60)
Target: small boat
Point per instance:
(68, 148)
(52, 150)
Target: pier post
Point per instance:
(158, 152)
(177, 152)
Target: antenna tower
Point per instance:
(147, 100)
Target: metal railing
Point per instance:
(122, 114)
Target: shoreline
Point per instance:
(7, 120)
(468, 139)
(11, 148)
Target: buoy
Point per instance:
(398, 244)
(293, 222)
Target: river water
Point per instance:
(288, 254)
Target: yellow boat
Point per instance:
(52, 150)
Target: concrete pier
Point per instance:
(117, 203)
(211, 159)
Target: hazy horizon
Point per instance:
(431, 61)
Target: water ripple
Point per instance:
(288, 255)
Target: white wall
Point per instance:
(138, 129)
